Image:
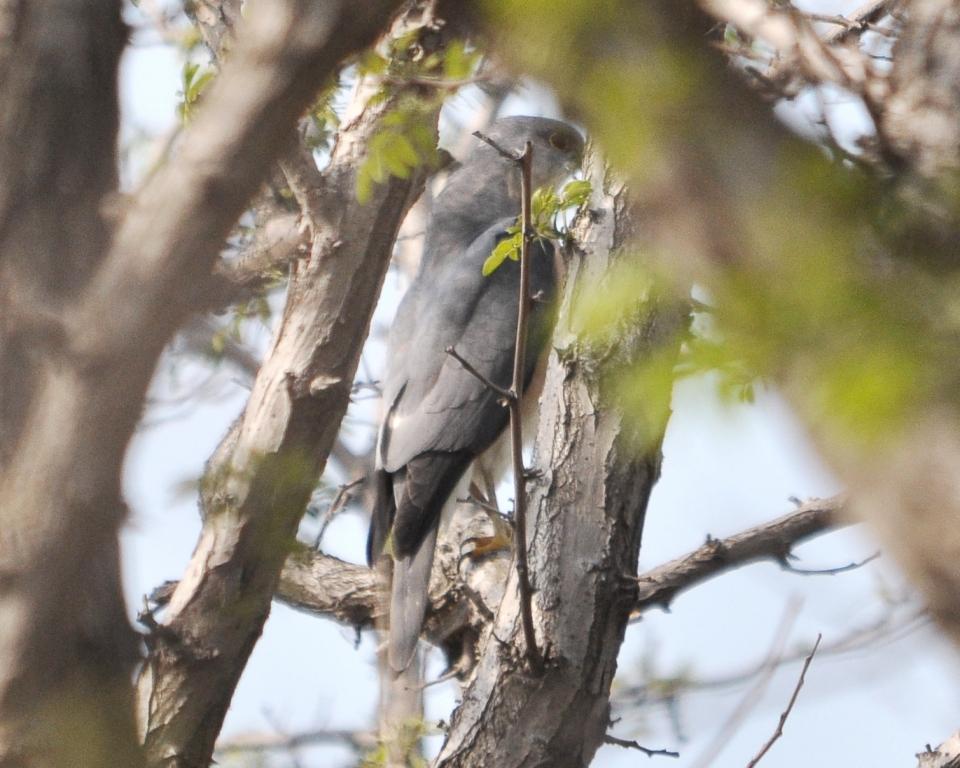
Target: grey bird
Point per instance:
(439, 417)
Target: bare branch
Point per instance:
(525, 161)
(769, 541)
(787, 566)
(786, 713)
(754, 693)
(361, 741)
(628, 744)
(506, 394)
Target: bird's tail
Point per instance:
(408, 601)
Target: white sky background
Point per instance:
(725, 468)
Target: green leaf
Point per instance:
(575, 193)
(194, 82)
(372, 63)
(508, 248)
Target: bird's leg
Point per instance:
(502, 536)
(501, 539)
(491, 486)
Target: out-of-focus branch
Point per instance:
(667, 689)
(769, 541)
(284, 54)
(360, 741)
(803, 56)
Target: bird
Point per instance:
(438, 416)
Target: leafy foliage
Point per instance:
(419, 84)
(194, 79)
(322, 119)
(546, 208)
(405, 141)
(838, 285)
(407, 743)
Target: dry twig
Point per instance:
(786, 713)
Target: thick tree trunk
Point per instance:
(64, 662)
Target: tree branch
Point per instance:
(769, 541)
(786, 713)
(284, 55)
(631, 744)
(946, 755)
(260, 478)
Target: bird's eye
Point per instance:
(561, 141)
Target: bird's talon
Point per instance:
(487, 545)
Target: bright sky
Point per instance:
(725, 468)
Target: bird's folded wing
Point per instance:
(442, 407)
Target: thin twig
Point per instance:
(503, 152)
(786, 713)
(344, 494)
(506, 394)
(514, 397)
(516, 404)
(629, 744)
(827, 571)
(752, 696)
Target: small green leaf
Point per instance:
(575, 193)
(372, 63)
(508, 248)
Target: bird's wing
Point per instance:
(440, 406)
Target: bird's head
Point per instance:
(557, 146)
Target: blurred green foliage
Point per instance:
(546, 208)
(418, 84)
(407, 744)
(194, 79)
(838, 284)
